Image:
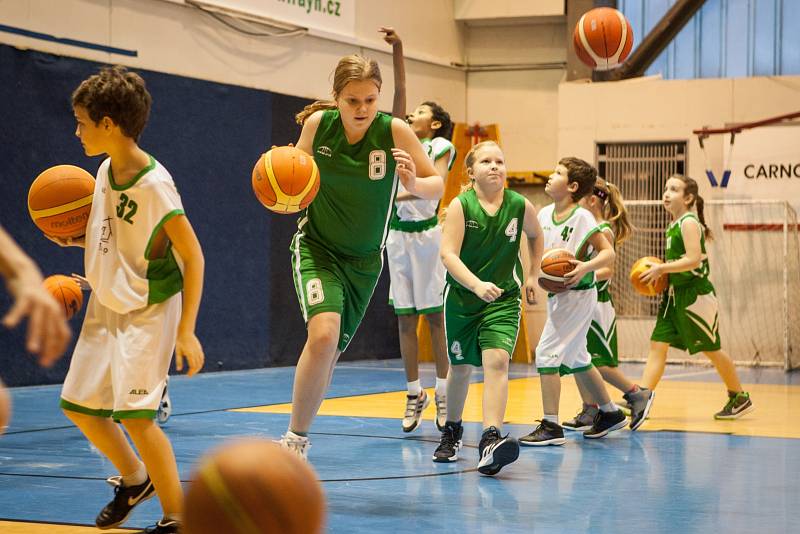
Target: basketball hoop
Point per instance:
(705, 132)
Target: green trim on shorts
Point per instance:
(428, 311)
(72, 407)
(412, 226)
(134, 414)
(562, 370)
(414, 311)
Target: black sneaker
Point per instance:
(496, 451)
(584, 420)
(165, 526)
(606, 422)
(546, 433)
(640, 403)
(125, 500)
(447, 451)
(738, 405)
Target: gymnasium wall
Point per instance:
(208, 135)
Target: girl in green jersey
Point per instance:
(337, 252)
(687, 317)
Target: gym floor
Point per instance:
(681, 472)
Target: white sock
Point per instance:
(441, 386)
(414, 388)
(135, 478)
(551, 418)
(610, 407)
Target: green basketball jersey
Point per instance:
(676, 249)
(491, 242)
(350, 214)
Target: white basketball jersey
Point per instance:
(123, 222)
(420, 210)
(571, 233)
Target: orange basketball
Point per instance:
(5, 408)
(555, 264)
(254, 485)
(60, 200)
(66, 291)
(285, 179)
(652, 289)
(603, 38)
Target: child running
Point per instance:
(605, 203)
(687, 318)
(480, 249)
(562, 346)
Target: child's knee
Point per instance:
(137, 425)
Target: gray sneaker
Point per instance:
(640, 404)
(738, 405)
(583, 421)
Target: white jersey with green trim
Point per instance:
(420, 210)
(571, 233)
(122, 224)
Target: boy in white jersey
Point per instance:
(562, 346)
(135, 316)
(412, 249)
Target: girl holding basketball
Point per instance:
(412, 251)
(337, 252)
(687, 318)
(605, 204)
(480, 249)
(562, 346)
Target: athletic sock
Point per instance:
(441, 386)
(551, 418)
(414, 388)
(135, 478)
(610, 407)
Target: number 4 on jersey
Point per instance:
(511, 230)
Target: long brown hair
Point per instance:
(690, 188)
(613, 210)
(469, 161)
(349, 69)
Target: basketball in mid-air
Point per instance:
(555, 264)
(603, 38)
(60, 199)
(254, 485)
(66, 291)
(652, 289)
(285, 179)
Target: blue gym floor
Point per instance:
(379, 479)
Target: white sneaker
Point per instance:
(415, 405)
(441, 411)
(165, 406)
(296, 444)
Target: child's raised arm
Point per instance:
(399, 104)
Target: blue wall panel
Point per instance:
(726, 38)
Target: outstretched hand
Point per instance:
(390, 36)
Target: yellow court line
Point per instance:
(22, 527)
(679, 406)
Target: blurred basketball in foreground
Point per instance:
(60, 199)
(66, 291)
(285, 179)
(603, 38)
(648, 290)
(254, 485)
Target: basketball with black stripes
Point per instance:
(254, 485)
(285, 179)
(603, 38)
(60, 199)
(66, 291)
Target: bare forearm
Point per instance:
(535, 251)
(681, 265)
(192, 292)
(604, 258)
(605, 273)
(429, 187)
(459, 271)
(399, 105)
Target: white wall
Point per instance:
(179, 39)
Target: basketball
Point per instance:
(60, 199)
(555, 264)
(254, 485)
(5, 408)
(285, 179)
(66, 291)
(652, 289)
(603, 38)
